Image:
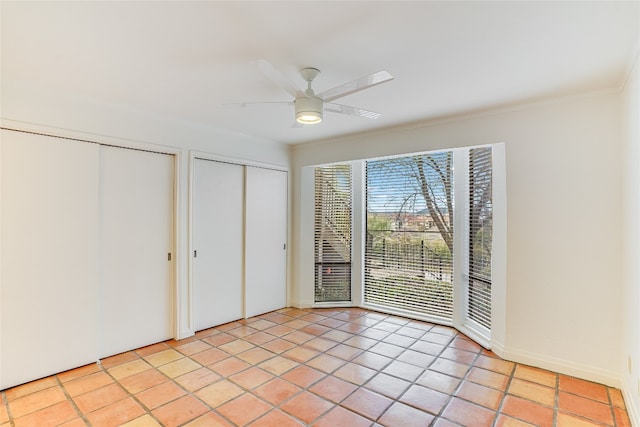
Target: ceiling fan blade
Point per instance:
(350, 111)
(278, 78)
(356, 86)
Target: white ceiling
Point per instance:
(188, 59)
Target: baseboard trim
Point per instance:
(628, 392)
(563, 366)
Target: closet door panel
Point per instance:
(218, 206)
(136, 239)
(49, 270)
(266, 236)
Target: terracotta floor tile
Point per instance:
(585, 407)
(303, 376)
(160, 394)
(416, 358)
(209, 357)
(315, 329)
(99, 398)
(230, 366)
(506, 421)
(465, 344)
(326, 363)
(529, 411)
(219, 339)
(278, 365)
(449, 367)
(192, 347)
(255, 355)
(279, 330)
(386, 349)
(242, 331)
(426, 347)
(116, 414)
(488, 378)
(363, 343)
(438, 381)
(31, 387)
(300, 354)
(481, 395)
(320, 344)
(532, 391)
(197, 379)
(152, 349)
(376, 334)
(622, 417)
(298, 337)
(77, 373)
(244, 409)
(333, 389)
(411, 332)
(306, 406)
(403, 370)
(76, 422)
(468, 414)
(219, 393)
(424, 398)
(127, 369)
(367, 403)
(276, 391)
(616, 398)
(583, 388)
(210, 419)
(331, 323)
(457, 355)
(206, 333)
(50, 416)
(4, 415)
(441, 422)
(345, 352)
(568, 420)
(297, 324)
(251, 377)
(355, 373)
(87, 383)
(36, 401)
(179, 367)
(259, 338)
(437, 338)
(119, 359)
(387, 385)
(400, 414)
(276, 418)
(496, 365)
(372, 360)
(340, 417)
(143, 421)
(278, 345)
(236, 346)
(338, 336)
(535, 375)
(142, 381)
(179, 411)
(399, 340)
(261, 324)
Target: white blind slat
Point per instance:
(333, 203)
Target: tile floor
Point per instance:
(322, 367)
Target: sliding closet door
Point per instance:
(49, 269)
(266, 236)
(218, 215)
(136, 240)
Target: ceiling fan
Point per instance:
(309, 106)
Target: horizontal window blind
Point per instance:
(333, 202)
(408, 252)
(480, 235)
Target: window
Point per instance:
(333, 207)
(409, 238)
(480, 236)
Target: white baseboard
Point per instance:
(628, 392)
(563, 366)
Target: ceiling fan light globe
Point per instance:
(308, 110)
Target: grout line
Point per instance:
(81, 414)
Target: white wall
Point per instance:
(630, 355)
(563, 222)
(63, 115)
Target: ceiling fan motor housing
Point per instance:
(308, 110)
